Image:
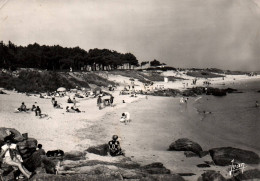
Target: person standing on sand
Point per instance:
(38, 111)
(99, 101)
(111, 100)
(74, 101)
(12, 157)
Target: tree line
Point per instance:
(61, 58)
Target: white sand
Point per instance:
(144, 141)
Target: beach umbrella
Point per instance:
(61, 89)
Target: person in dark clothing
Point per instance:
(37, 111)
(40, 150)
(114, 147)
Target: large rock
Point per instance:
(74, 155)
(155, 168)
(33, 162)
(99, 150)
(163, 177)
(223, 156)
(184, 144)
(17, 135)
(248, 175)
(211, 175)
(27, 147)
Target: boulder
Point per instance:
(27, 147)
(74, 155)
(190, 154)
(211, 175)
(184, 144)
(248, 175)
(17, 135)
(33, 162)
(163, 177)
(99, 150)
(155, 168)
(223, 156)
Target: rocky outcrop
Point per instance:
(17, 135)
(223, 156)
(27, 147)
(247, 175)
(185, 144)
(74, 155)
(155, 168)
(99, 150)
(211, 175)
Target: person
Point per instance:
(256, 104)
(75, 109)
(12, 157)
(33, 108)
(53, 101)
(69, 100)
(125, 117)
(70, 110)
(37, 111)
(182, 100)
(40, 150)
(22, 107)
(114, 147)
(99, 101)
(111, 100)
(56, 105)
(74, 101)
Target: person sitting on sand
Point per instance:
(114, 147)
(40, 150)
(125, 117)
(37, 111)
(56, 105)
(33, 108)
(22, 107)
(69, 100)
(12, 157)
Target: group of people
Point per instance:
(106, 102)
(12, 157)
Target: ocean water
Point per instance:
(234, 120)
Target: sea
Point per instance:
(233, 119)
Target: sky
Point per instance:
(181, 33)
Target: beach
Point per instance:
(156, 122)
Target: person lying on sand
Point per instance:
(12, 157)
(75, 109)
(114, 147)
(125, 117)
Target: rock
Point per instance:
(230, 90)
(27, 147)
(49, 165)
(190, 154)
(99, 150)
(165, 177)
(155, 168)
(17, 135)
(216, 92)
(248, 175)
(223, 156)
(74, 155)
(33, 162)
(211, 175)
(184, 144)
(186, 174)
(203, 165)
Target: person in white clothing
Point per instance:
(125, 117)
(12, 157)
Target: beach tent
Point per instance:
(97, 90)
(61, 89)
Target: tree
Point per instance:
(155, 63)
(144, 63)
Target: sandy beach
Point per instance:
(155, 125)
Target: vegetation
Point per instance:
(60, 58)
(42, 81)
(203, 74)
